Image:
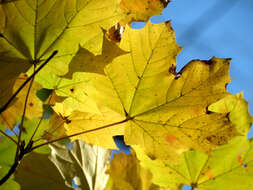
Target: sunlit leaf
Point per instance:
(163, 109)
(227, 167)
(236, 109)
(78, 122)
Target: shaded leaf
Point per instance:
(84, 61)
(36, 171)
(127, 174)
(84, 163)
(9, 117)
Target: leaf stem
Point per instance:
(23, 85)
(80, 133)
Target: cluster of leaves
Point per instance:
(69, 71)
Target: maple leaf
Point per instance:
(31, 30)
(84, 163)
(36, 171)
(127, 174)
(230, 162)
(162, 109)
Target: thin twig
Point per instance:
(80, 133)
(23, 85)
(38, 125)
(21, 148)
(23, 117)
(12, 139)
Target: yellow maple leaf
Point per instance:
(161, 109)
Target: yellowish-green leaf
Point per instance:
(84, 163)
(7, 155)
(227, 167)
(31, 30)
(237, 109)
(36, 171)
(127, 174)
(10, 184)
(162, 108)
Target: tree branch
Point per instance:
(80, 133)
(23, 85)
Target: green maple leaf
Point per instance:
(162, 109)
(84, 163)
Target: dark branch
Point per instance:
(23, 85)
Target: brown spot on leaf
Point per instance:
(31, 104)
(72, 90)
(151, 156)
(207, 111)
(172, 69)
(227, 116)
(194, 185)
(66, 120)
